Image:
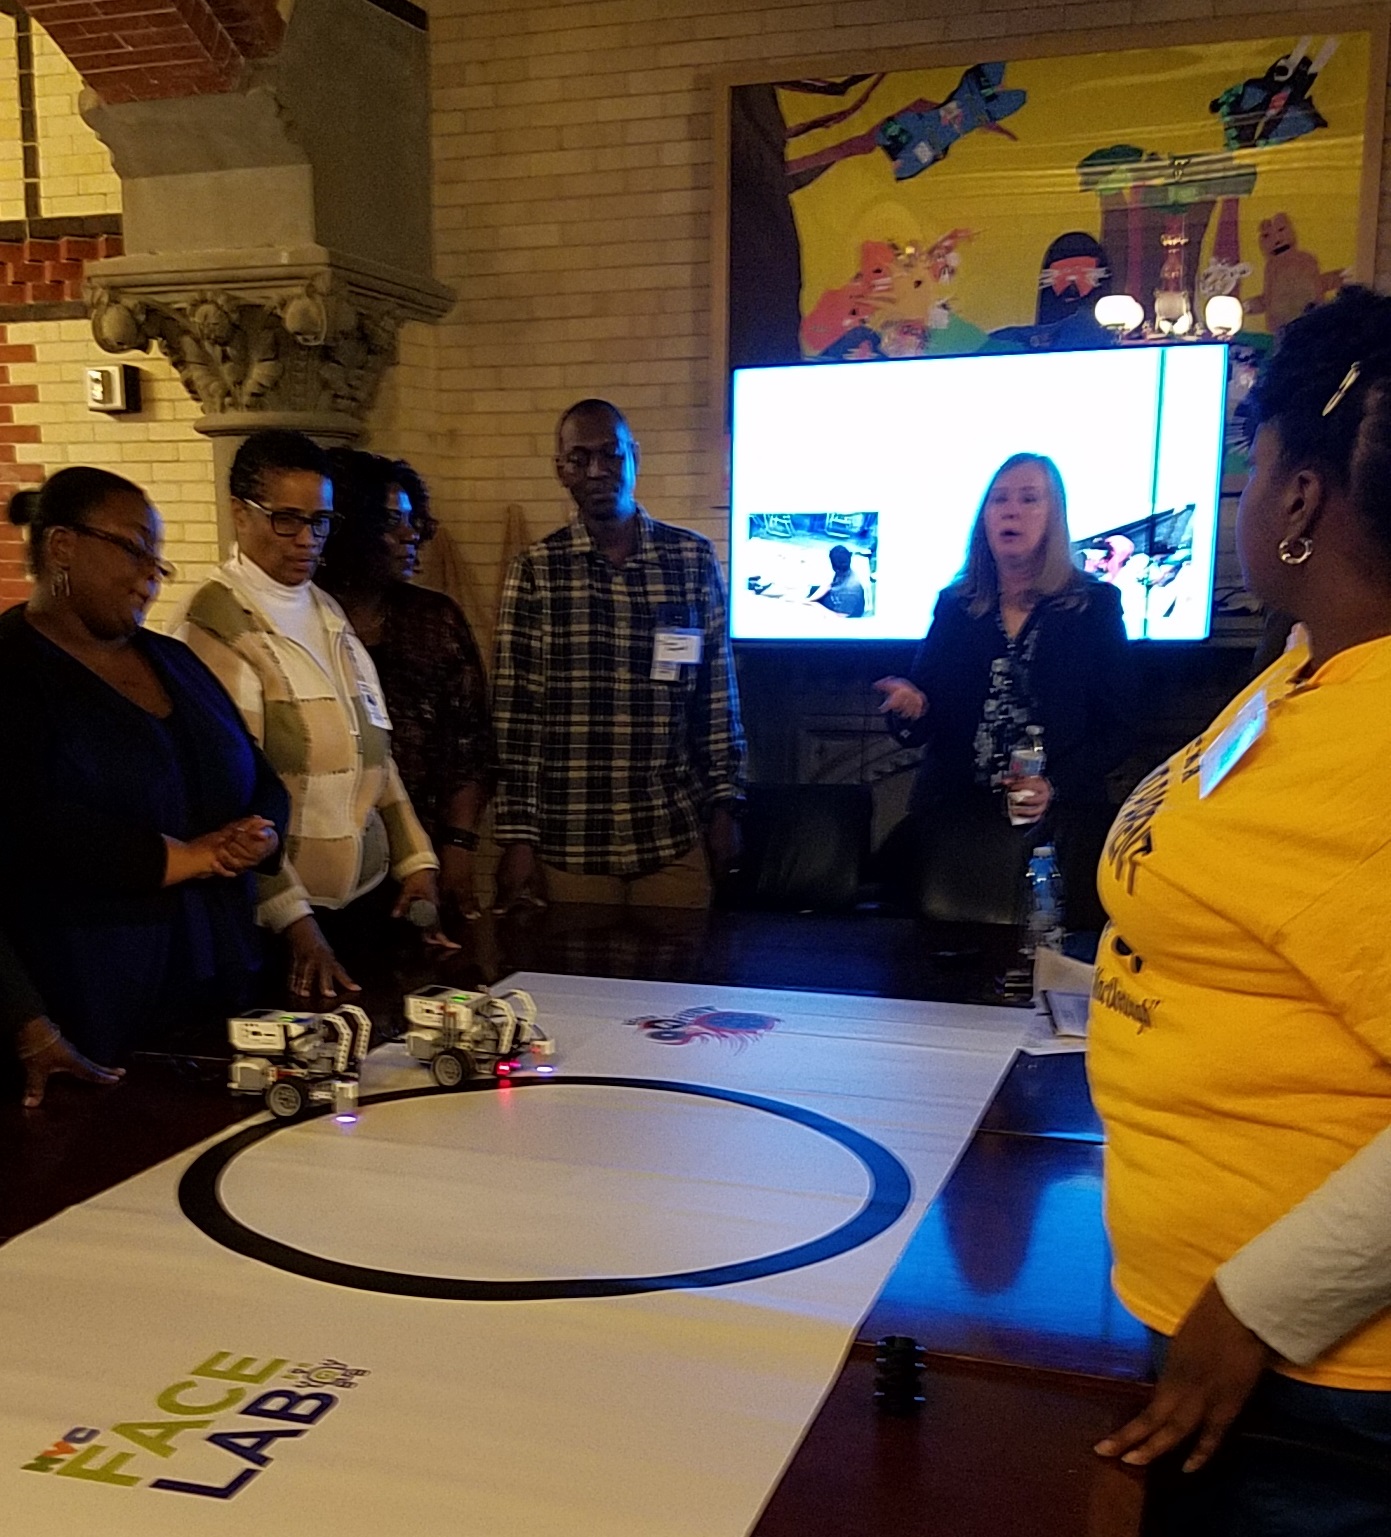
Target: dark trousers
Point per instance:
(1301, 1461)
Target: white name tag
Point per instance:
(1245, 729)
(370, 693)
(674, 649)
(684, 647)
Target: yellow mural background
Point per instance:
(1018, 195)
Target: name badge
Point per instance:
(674, 649)
(1245, 729)
(369, 691)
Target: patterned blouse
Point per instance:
(1008, 708)
(437, 695)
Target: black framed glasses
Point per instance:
(137, 552)
(288, 524)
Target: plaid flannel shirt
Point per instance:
(604, 770)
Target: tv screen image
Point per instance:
(829, 558)
(854, 486)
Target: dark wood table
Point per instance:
(1005, 1284)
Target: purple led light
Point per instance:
(345, 1120)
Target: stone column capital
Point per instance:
(278, 337)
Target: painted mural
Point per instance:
(909, 213)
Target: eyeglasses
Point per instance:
(288, 524)
(137, 552)
(609, 458)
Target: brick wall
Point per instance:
(11, 152)
(44, 420)
(157, 449)
(140, 50)
(19, 460)
(574, 166)
(75, 174)
(36, 271)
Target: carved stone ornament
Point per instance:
(317, 347)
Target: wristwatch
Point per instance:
(458, 838)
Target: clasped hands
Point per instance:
(227, 851)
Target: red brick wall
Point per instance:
(14, 470)
(38, 271)
(139, 50)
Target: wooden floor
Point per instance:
(1005, 1284)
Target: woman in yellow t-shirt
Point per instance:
(1241, 1020)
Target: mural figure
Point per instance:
(1276, 106)
(1291, 280)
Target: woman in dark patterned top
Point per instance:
(429, 665)
(1022, 639)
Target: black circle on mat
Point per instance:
(891, 1188)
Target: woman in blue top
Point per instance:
(133, 804)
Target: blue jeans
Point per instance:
(1301, 1461)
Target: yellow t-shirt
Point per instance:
(1240, 1039)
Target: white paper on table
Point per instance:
(667, 1412)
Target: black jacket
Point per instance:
(90, 784)
(1081, 682)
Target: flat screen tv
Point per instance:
(878, 469)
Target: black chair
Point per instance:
(963, 863)
(805, 847)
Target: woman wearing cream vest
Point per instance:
(310, 696)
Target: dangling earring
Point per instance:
(1290, 556)
(59, 584)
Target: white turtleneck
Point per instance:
(291, 610)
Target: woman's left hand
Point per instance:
(423, 887)
(1214, 1363)
(1029, 798)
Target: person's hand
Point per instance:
(246, 843)
(226, 851)
(456, 881)
(724, 839)
(43, 1051)
(422, 887)
(314, 968)
(518, 879)
(1028, 798)
(197, 860)
(1213, 1365)
(901, 698)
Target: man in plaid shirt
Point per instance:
(615, 706)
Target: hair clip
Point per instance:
(1349, 379)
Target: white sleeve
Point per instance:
(1324, 1268)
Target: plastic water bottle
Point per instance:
(1027, 761)
(1044, 927)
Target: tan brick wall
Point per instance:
(11, 157)
(44, 420)
(157, 449)
(574, 155)
(75, 175)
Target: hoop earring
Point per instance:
(1288, 554)
(60, 584)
